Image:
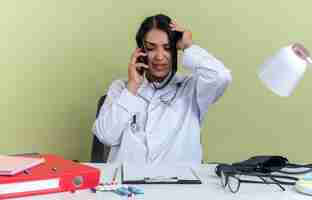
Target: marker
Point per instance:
(123, 191)
(135, 190)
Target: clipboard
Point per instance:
(159, 174)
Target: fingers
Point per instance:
(140, 68)
(137, 53)
(173, 23)
(141, 65)
(301, 51)
(175, 27)
(186, 39)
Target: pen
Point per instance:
(114, 179)
(134, 119)
(134, 124)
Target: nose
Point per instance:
(159, 54)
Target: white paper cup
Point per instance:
(282, 72)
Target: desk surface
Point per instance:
(210, 189)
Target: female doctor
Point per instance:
(155, 116)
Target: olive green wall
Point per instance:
(57, 57)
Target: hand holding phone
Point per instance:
(142, 59)
(136, 70)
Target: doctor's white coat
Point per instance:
(167, 121)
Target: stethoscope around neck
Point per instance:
(165, 99)
(168, 99)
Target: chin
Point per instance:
(160, 75)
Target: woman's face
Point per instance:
(157, 47)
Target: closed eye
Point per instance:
(150, 46)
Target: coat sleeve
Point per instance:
(116, 113)
(209, 77)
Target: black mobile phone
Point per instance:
(141, 70)
(142, 59)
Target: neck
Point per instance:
(152, 78)
(159, 83)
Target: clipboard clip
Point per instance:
(157, 179)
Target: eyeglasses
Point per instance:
(231, 178)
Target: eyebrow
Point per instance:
(145, 41)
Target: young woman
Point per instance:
(155, 116)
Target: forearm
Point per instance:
(203, 64)
(210, 76)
